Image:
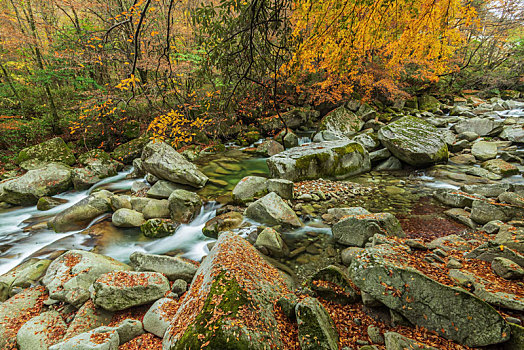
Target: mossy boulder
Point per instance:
(94, 154)
(316, 330)
(336, 159)
(128, 151)
(341, 121)
(54, 150)
(414, 141)
(27, 189)
(230, 304)
(158, 228)
(428, 103)
(451, 312)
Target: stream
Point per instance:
(405, 193)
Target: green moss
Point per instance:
(303, 162)
(232, 297)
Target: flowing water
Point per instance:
(406, 193)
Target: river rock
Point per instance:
(395, 341)
(289, 139)
(389, 164)
(153, 208)
(284, 188)
(79, 215)
(491, 250)
(48, 203)
(339, 159)
(127, 218)
(449, 311)
(506, 268)
(54, 150)
(249, 188)
(341, 121)
(483, 212)
(414, 141)
(69, 277)
(16, 311)
(484, 150)
(480, 126)
(233, 286)
(511, 198)
(501, 167)
(272, 210)
(184, 206)
(356, 230)
(162, 189)
(369, 141)
(95, 170)
(316, 330)
(158, 228)
(159, 315)
(41, 331)
(517, 338)
(333, 284)
(120, 290)
(269, 148)
(23, 276)
(513, 134)
(87, 318)
(339, 213)
(428, 103)
(102, 338)
(221, 223)
(172, 267)
(51, 179)
(381, 154)
(454, 198)
(272, 241)
(161, 160)
(487, 190)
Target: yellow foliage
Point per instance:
(374, 43)
(176, 127)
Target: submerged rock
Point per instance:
(339, 159)
(230, 302)
(161, 160)
(451, 312)
(414, 141)
(272, 210)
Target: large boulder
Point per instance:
(51, 179)
(18, 310)
(339, 159)
(316, 330)
(356, 230)
(41, 331)
(449, 311)
(120, 290)
(80, 214)
(249, 188)
(54, 150)
(230, 304)
(184, 206)
(341, 121)
(272, 210)
(428, 103)
(480, 126)
(414, 141)
(69, 277)
(172, 267)
(161, 160)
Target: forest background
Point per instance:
(99, 73)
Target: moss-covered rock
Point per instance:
(158, 228)
(222, 223)
(230, 304)
(451, 312)
(414, 141)
(128, 151)
(89, 156)
(54, 150)
(336, 159)
(428, 103)
(316, 330)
